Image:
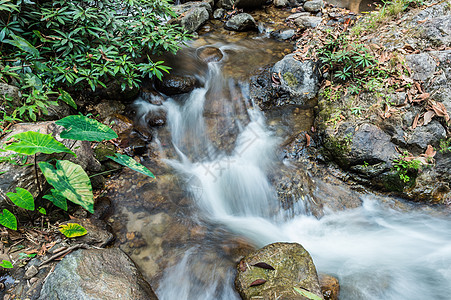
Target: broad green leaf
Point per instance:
(131, 163)
(6, 264)
(23, 45)
(57, 200)
(307, 294)
(22, 198)
(85, 129)
(70, 181)
(71, 230)
(66, 97)
(42, 210)
(8, 220)
(31, 142)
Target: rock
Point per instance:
(313, 6)
(329, 286)
(283, 35)
(96, 274)
(156, 117)
(297, 15)
(10, 91)
(192, 15)
(281, 3)
(98, 234)
(31, 272)
(422, 136)
(219, 13)
(249, 3)
(299, 80)
(107, 108)
(241, 22)
(437, 30)
(307, 21)
(227, 4)
(209, 54)
(173, 84)
(293, 268)
(422, 66)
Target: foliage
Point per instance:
(405, 167)
(83, 43)
(131, 163)
(31, 142)
(22, 198)
(85, 129)
(70, 181)
(6, 264)
(71, 230)
(8, 219)
(56, 199)
(445, 145)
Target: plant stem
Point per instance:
(36, 174)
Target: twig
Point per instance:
(85, 246)
(36, 174)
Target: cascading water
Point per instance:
(376, 251)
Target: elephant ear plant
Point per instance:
(68, 179)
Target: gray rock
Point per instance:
(284, 35)
(423, 136)
(299, 79)
(293, 268)
(98, 234)
(297, 15)
(422, 66)
(313, 6)
(241, 22)
(31, 272)
(195, 14)
(219, 13)
(96, 275)
(308, 21)
(11, 91)
(437, 30)
(281, 3)
(226, 4)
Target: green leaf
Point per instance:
(6, 264)
(42, 210)
(85, 129)
(23, 45)
(307, 294)
(31, 142)
(70, 181)
(22, 198)
(66, 97)
(8, 220)
(57, 200)
(131, 163)
(71, 230)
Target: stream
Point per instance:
(214, 197)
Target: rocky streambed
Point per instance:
(231, 179)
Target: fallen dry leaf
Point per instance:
(428, 116)
(415, 121)
(257, 282)
(264, 266)
(307, 137)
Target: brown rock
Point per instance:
(330, 286)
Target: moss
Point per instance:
(290, 79)
(102, 150)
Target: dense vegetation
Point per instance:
(48, 47)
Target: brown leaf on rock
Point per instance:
(418, 86)
(430, 152)
(242, 266)
(307, 137)
(440, 110)
(257, 282)
(415, 121)
(428, 116)
(421, 97)
(264, 266)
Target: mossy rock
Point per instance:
(101, 151)
(293, 267)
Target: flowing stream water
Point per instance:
(378, 250)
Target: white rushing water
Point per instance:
(377, 252)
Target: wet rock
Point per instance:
(241, 22)
(307, 21)
(192, 15)
(314, 6)
(98, 234)
(96, 274)
(156, 117)
(293, 267)
(423, 136)
(210, 54)
(281, 3)
(174, 84)
(298, 80)
(329, 286)
(219, 13)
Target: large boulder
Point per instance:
(313, 6)
(241, 22)
(10, 91)
(192, 15)
(173, 84)
(292, 267)
(96, 274)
